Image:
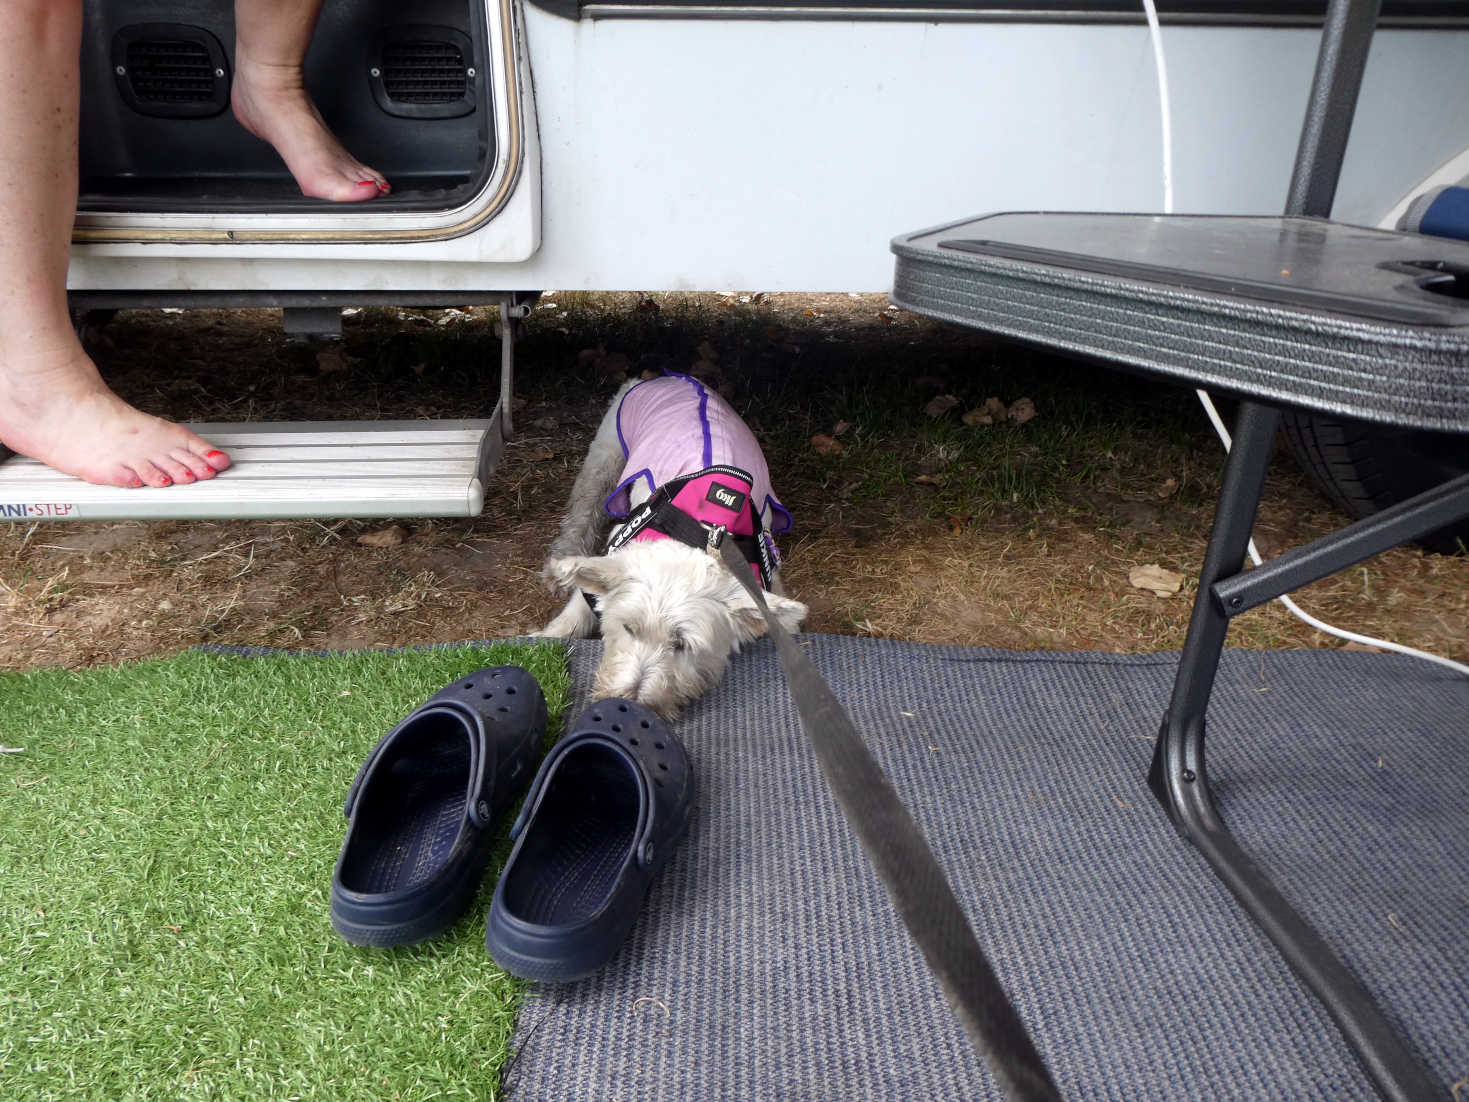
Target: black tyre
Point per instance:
(1365, 468)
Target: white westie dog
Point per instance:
(678, 468)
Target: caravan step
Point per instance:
(288, 469)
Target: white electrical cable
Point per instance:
(1156, 35)
(1340, 633)
(1165, 102)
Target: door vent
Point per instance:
(423, 72)
(171, 70)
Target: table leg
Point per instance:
(1180, 782)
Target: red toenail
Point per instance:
(370, 183)
(215, 455)
(166, 481)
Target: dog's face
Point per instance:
(672, 616)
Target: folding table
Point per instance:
(1293, 312)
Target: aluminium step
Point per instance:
(289, 469)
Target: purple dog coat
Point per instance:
(673, 427)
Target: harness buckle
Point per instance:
(716, 536)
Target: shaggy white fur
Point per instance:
(672, 616)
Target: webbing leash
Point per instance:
(908, 868)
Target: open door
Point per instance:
(427, 93)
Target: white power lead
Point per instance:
(1319, 625)
(1165, 101)
(1155, 33)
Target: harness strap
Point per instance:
(909, 870)
(676, 524)
(660, 514)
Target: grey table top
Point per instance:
(1303, 312)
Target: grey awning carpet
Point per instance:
(768, 963)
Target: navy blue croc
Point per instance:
(603, 814)
(421, 811)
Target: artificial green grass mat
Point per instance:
(167, 839)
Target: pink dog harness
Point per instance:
(699, 460)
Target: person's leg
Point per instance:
(270, 100)
(54, 405)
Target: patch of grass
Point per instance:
(1095, 432)
(1024, 538)
(167, 838)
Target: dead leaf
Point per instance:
(1163, 583)
(1022, 410)
(884, 317)
(840, 427)
(811, 313)
(608, 363)
(614, 364)
(978, 416)
(941, 405)
(826, 445)
(649, 306)
(996, 409)
(926, 480)
(1169, 488)
(390, 536)
(332, 358)
(958, 522)
(540, 455)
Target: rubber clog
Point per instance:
(422, 809)
(609, 802)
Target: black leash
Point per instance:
(908, 868)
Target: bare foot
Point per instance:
(271, 102)
(67, 417)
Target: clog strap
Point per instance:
(478, 805)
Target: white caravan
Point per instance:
(663, 145)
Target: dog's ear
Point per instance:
(788, 613)
(751, 625)
(595, 575)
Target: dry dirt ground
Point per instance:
(911, 523)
